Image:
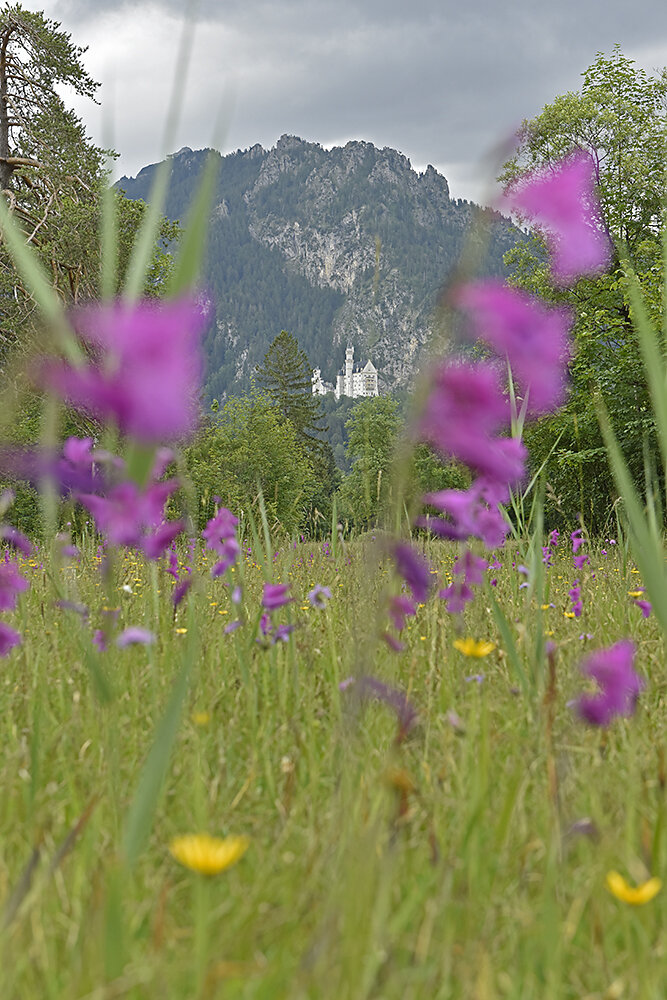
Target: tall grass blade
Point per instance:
(192, 244)
(508, 642)
(646, 545)
(144, 803)
(21, 889)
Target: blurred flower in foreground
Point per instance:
(147, 369)
(476, 648)
(562, 202)
(643, 893)
(9, 638)
(620, 686)
(208, 855)
(319, 596)
(533, 337)
(275, 595)
(135, 635)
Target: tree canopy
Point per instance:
(620, 118)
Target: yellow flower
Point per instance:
(201, 718)
(181, 631)
(644, 893)
(208, 855)
(569, 614)
(635, 593)
(474, 647)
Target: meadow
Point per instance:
(464, 854)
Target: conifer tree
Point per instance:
(286, 376)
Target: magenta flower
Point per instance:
(135, 635)
(562, 202)
(620, 686)
(12, 583)
(220, 529)
(644, 606)
(577, 540)
(532, 337)
(465, 410)
(148, 368)
(370, 687)
(9, 638)
(128, 516)
(275, 596)
(400, 608)
(472, 513)
(319, 596)
(414, 569)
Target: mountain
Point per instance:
(346, 245)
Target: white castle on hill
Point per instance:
(350, 381)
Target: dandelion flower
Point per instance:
(476, 648)
(643, 893)
(208, 855)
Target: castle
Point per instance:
(350, 381)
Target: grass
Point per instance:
(454, 863)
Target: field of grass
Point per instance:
(464, 858)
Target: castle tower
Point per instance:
(349, 367)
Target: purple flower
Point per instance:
(532, 337)
(620, 686)
(580, 561)
(319, 596)
(456, 596)
(414, 569)
(131, 517)
(469, 515)
(465, 410)
(575, 598)
(265, 625)
(135, 635)
(400, 608)
(232, 627)
(644, 606)
(180, 590)
(281, 633)
(229, 549)
(100, 640)
(470, 567)
(148, 368)
(371, 687)
(577, 540)
(220, 529)
(15, 538)
(9, 638)
(562, 201)
(393, 642)
(275, 596)
(12, 583)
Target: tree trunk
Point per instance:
(6, 168)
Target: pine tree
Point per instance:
(286, 376)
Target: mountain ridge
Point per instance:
(348, 244)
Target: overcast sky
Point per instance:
(443, 82)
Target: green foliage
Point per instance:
(247, 449)
(373, 428)
(619, 117)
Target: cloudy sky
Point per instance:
(444, 82)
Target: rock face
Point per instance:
(342, 245)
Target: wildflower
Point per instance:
(371, 687)
(17, 539)
(180, 590)
(577, 540)
(149, 367)
(208, 855)
(414, 569)
(135, 635)
(562, 201)
(476, 648)
(471, 567)
(9, 638)
(132, 517)
(100, 640)
(232, 627)
(393, 642)
(644, 606)
(400, 608)
(580, 561)
(473, 513)
(201, 718)
(643, 893)
(465, 410)
(456, 596)
(12, 583)
(220, 528)
(613, 670)
(319, 596)
(275, 596)
(281, 633)
(532, 337)
(575, 597)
